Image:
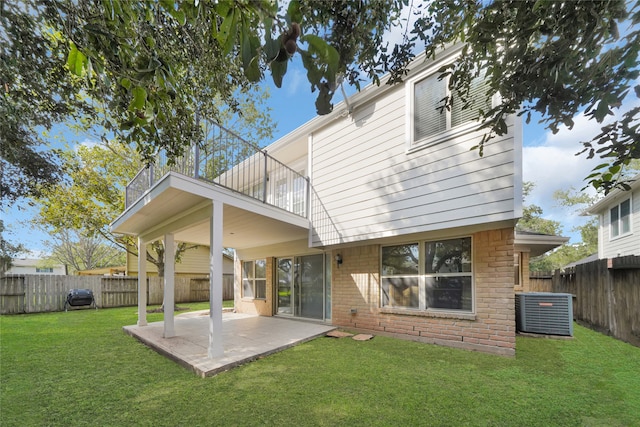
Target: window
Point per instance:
(517, 271)
(257, 191)
(299, 195)
(621, 219)
(448, 274)
(282, 194)
(428, 96)
(433, 275)
(44, 269)
(254, 279)
(400, 278)
(430, 121)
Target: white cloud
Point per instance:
(550, 162)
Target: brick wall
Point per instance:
(356, 296)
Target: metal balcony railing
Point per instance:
(227, 160)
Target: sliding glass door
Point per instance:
(284, 280)
(304, 286)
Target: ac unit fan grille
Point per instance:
(544, 313)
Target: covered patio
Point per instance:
(246, 338)
(185, 209)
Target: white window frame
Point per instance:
(253, 280)
(423, 276)
(618, 224)
(450, 132)
(299, 195)
(517, 267)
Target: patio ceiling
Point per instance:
(183, 206)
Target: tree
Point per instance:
(579, 201)
(79, 252)
(87, 201)
(532, 216)
(92, 194)
(8, 250)
(37, 91)
(568, 253)
(155, 65)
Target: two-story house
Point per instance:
(619, 222)
(375, 217)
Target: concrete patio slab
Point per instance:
(245, 338)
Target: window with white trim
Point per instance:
(400, 276)
(299, 194)
(254, 279)
(621, 219)
(430, 121)
(282, 194)
(433, 275)
(448, 274)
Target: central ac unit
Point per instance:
(544, 313)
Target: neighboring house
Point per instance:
(106, 271)
(193, 262)
(376, 217)
(619, 222)
(529, 245)
(36, 266)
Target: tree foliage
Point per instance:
(155, 65)
(77, 211)
(91, 195)
(532, 219)
(37, 91)
(79, 252)
(574, 201)
(8, 250)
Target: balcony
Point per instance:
(227, 160)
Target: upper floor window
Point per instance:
(430, 121)
(254, 279)
(621, 218)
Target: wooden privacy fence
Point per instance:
(607, 295)
(540, 281)
(32, 293)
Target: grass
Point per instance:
(79, 368)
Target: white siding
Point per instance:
(628, 244)
(366, 185)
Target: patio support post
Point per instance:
(216, 348)
(169, 279)
(142, 282)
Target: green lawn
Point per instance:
(79, 368)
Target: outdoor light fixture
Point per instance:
(338, 259)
